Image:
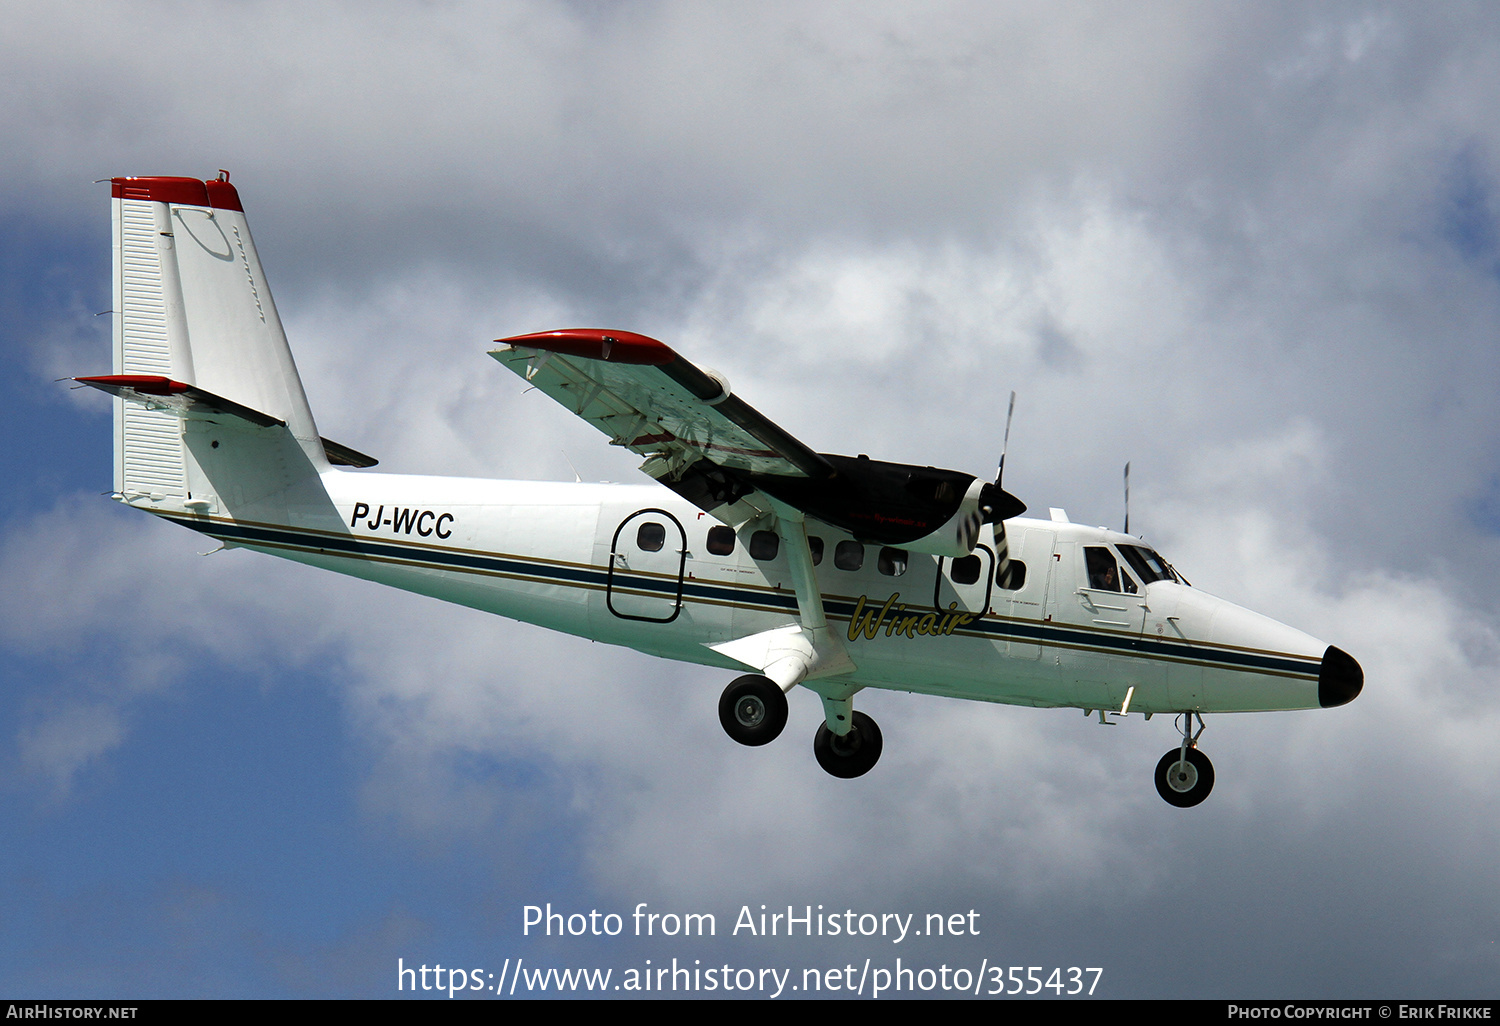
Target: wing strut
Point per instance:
(808, 649)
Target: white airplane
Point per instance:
(760, 555)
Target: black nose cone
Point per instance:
(1340, 680)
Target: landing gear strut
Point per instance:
(753, 710)
(1185, 776)
(853, 754)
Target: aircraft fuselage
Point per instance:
(569, 557)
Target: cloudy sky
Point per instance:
(1253, 249)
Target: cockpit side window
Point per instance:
(1104, 572)
(1147, 564)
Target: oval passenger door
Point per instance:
(646, 560)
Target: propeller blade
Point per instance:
(1002, 555)
(1009, 413)
(999, 508)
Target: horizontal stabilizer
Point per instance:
(343, 456)
(160, 393)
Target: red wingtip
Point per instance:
(145, 384)
(190, 192)
(597, 344)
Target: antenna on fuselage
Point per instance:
(1127, 498)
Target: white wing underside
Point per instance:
(640, 408)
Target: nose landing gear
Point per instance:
(1184, 776)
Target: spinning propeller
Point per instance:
(998, 505)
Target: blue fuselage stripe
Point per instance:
(995, 628)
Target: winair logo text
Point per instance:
(899, 623)
(402, 520)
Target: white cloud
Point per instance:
(61, 745)
(1208, 240)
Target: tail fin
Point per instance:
(199, 351)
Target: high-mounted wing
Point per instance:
(714, 449)
(650, 400)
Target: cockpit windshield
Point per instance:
(1147, 564)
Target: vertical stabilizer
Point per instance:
(192, 306)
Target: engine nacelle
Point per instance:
(956, 536)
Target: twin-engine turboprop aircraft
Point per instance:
(837, 573)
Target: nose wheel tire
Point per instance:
(852, 755)
(1184, 782)
(753, 710)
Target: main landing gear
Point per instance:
(1185, 776)
(852, 755)
(753, 712)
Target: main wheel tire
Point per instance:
(1184, 783)
(852, 755)
(753, 710)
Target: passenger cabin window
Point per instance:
(764, 545)
(892, 562)
(1015, 580)
(721, 540)
(966, 570)
(849, 555)
(651, 537)
(816, 545)
(1104, 572)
